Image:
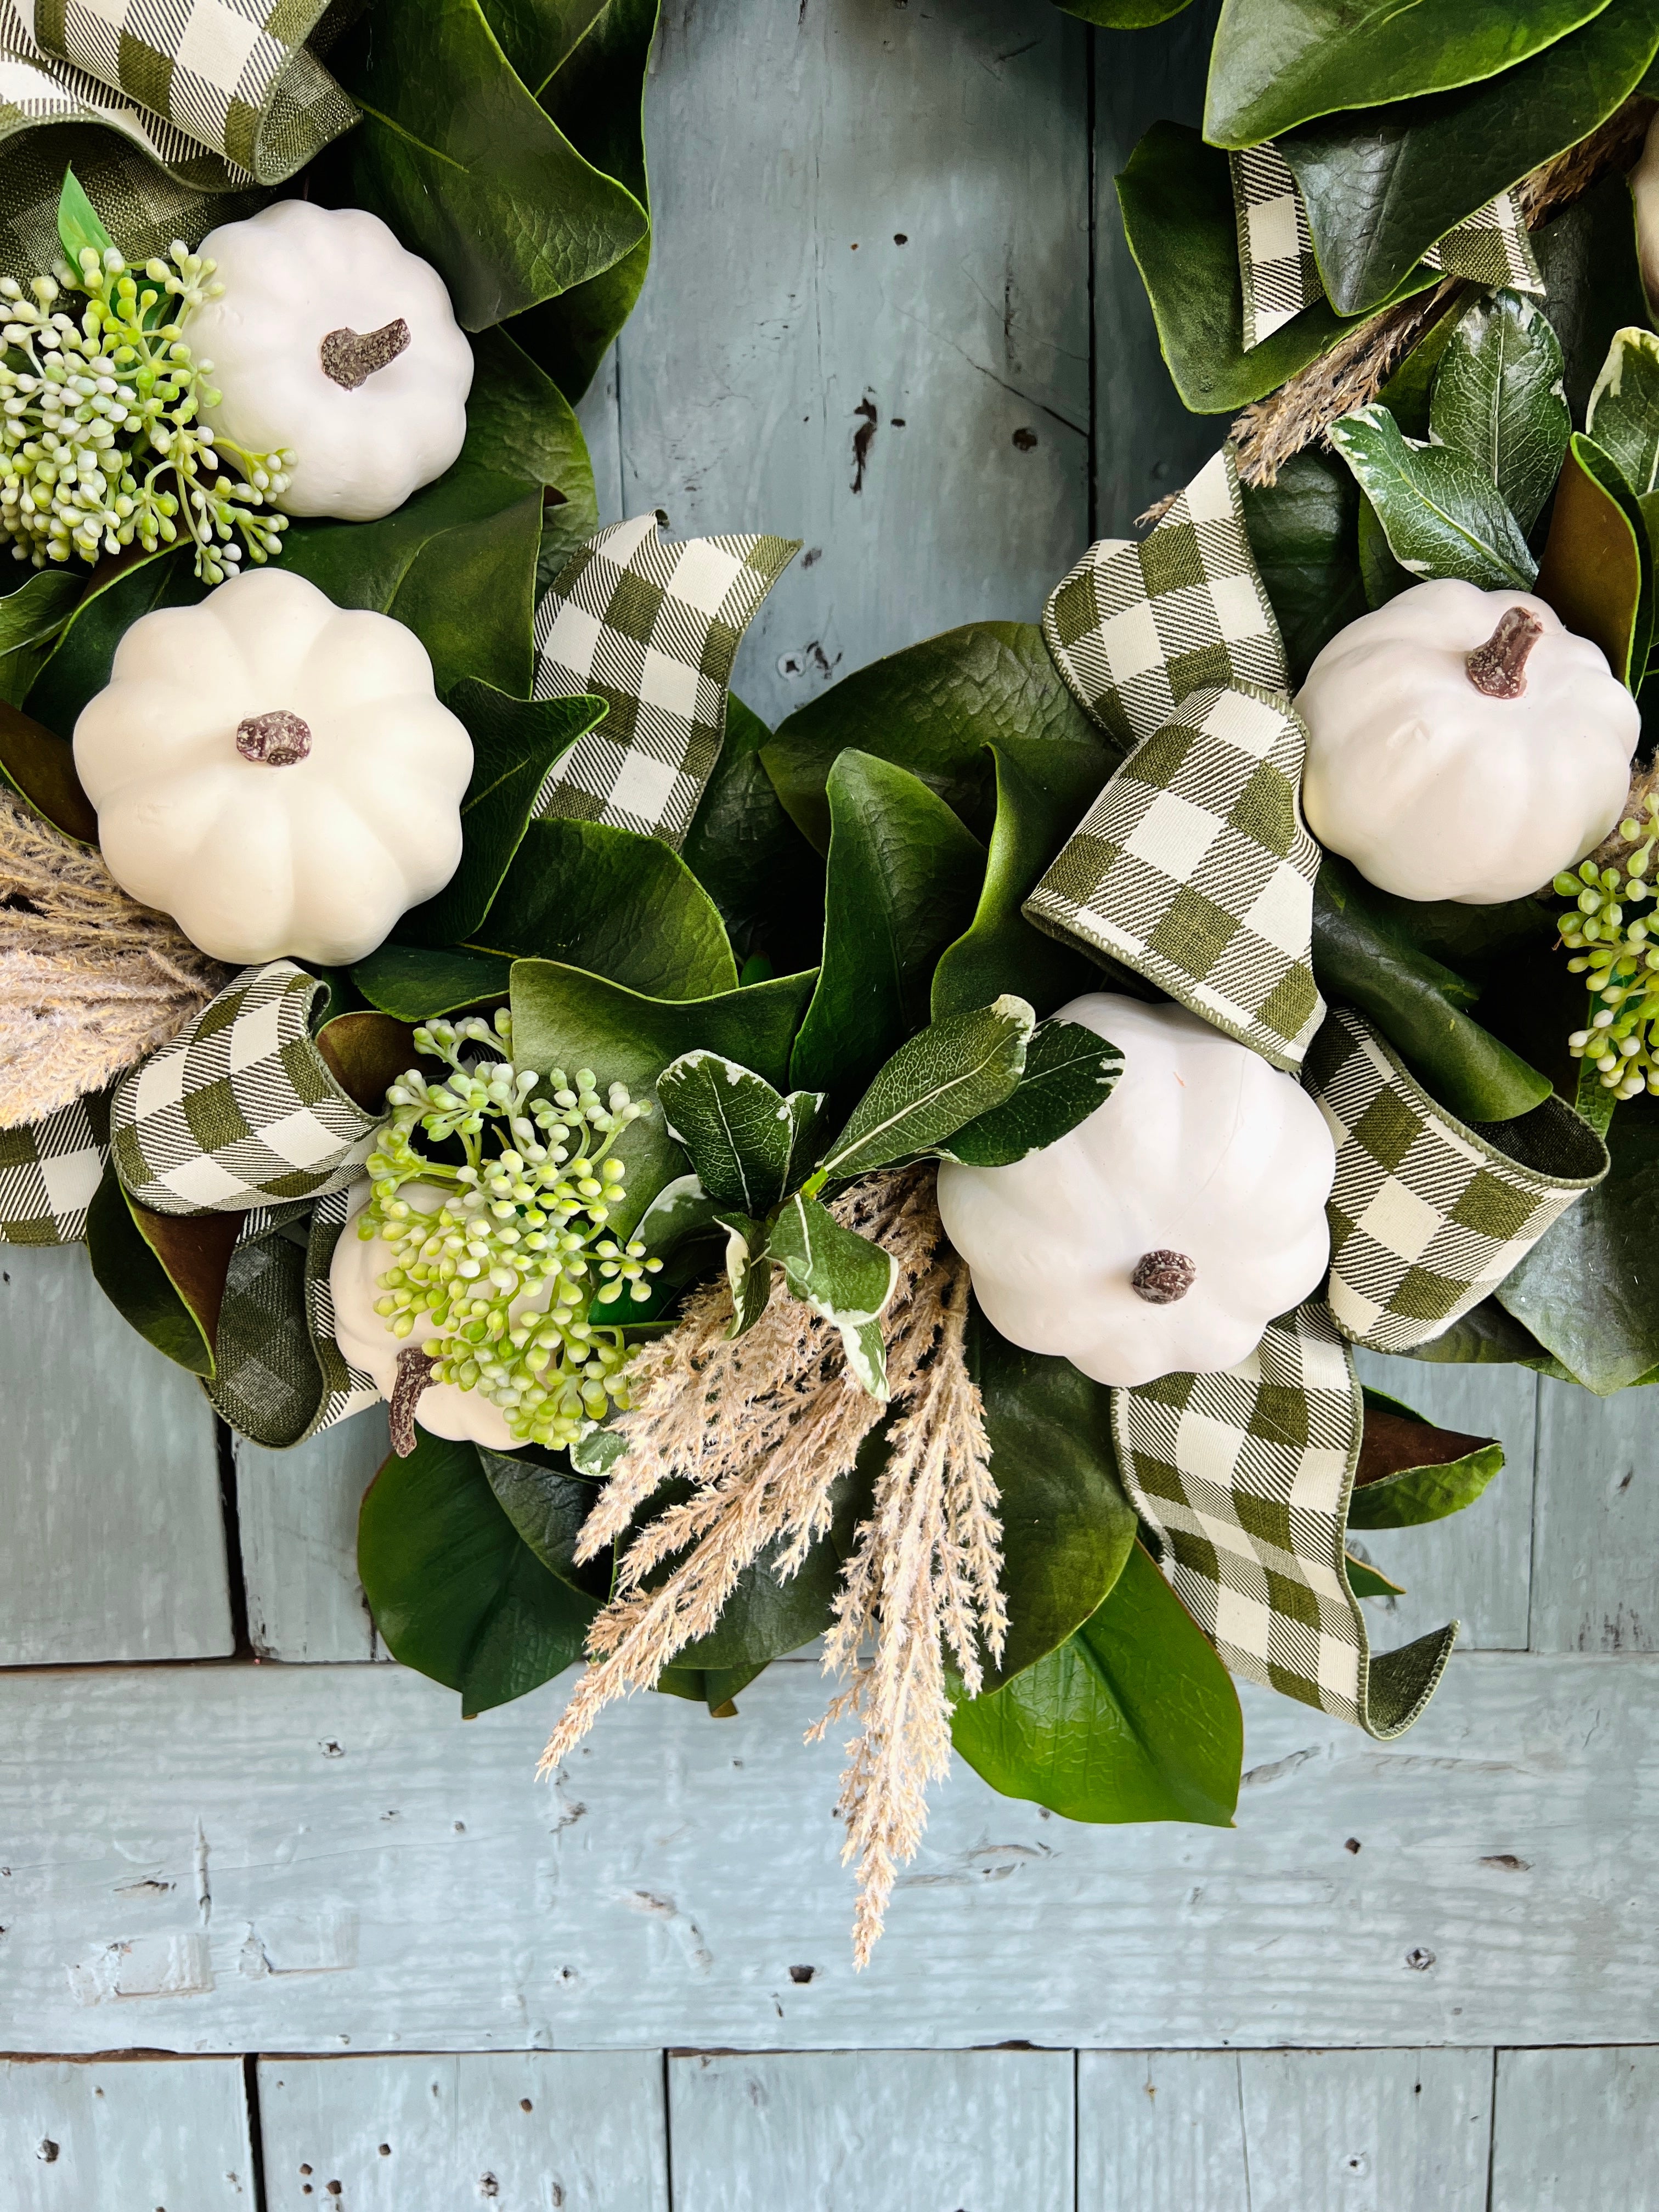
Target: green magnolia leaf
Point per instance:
(947, 709)
(901, 882)
(741, 1134)
(514, 743)
(31, 617)
(1176, 197)
(614, 903)
(1000, 951)
(457, 155)
(1069, 1072)
(40, 767)
(1133, 1718)
(1498, 397)
(1442, 516)
(454, 1589)
(547, 1506)
(79, 225)
(1587, 1289)
(1067, 1530)
(1301, 531)
(932, 1087)
(562, 1018)
(1487, 1336)
(1588, 260)
(1623, 409)
(1597, 568)
(748, 1270)
(164, 1274)
(457, 561)
(1124, 15)
(1278, 63)
(1380, 573)
(1362, 957)
(843, 1277)
(1411, 1471)
(1366, 1581)
(413, 983)
(119, 593)
(754, 863)
(1381, 186)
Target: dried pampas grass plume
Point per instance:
(764, 1428)
(89, 981)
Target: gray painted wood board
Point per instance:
(526, 2132)
(1576, 2131)
(124, 2135)
(114, 1538)
(297, 1512)
(1596, 1554)
(986, 2130)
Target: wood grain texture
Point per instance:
(906, 2131)
(524, 2131)
(1575, 2130)
(298, 1515)
(135, 2135)
(1315, 2131)
(328, 1859)
(1596, 1554)
(918, 412)
(114, 1540)
(1475, 1567)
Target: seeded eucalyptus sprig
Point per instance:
(1618, 955)
(493, 1283)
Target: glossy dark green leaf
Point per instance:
(460, 157)
(164, 1275)
(1623, 409)
(1587, 256)
(1067, 1530)
(32, 615)
(843, 1277)
(1276, 63)
(1366, 1581)
(1382, 185)
(1132, 1719)
(1589, 1289)
(754, 863)
(1124, 15)
(1597, 568)
(562, 1018)
(935, 708)
(1069, 1072)
(548, 1505)
(39, 766)
(119, 593)
(1301, 531)
(1487, 1336)
(1360, 956)
(457, 561)
(1176, 197)
(1411, 1471)
(514, 743)
(740, 1133)
(618, 904)
(1381, 576)
(1442, 516)
(1498, 398)
(415, 982)
(934, 1085)
(455, 1591)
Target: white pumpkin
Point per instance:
(1164, 1232)
(330, 341)
(1462, 745)
(1644, 190)
(274, 772)
(442, 1409)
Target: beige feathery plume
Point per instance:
(763, 1428)
(89, 981)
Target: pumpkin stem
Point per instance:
(1163, 1276)
(1499, 666)
(414, 1373)
(276, 739)
(350, 357)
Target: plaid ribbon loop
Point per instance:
(1279, 272)
(1193, 867)
(242, 1110)
(1430, 1214)
(1247, 1476)
(653, 628)
(50, 1172)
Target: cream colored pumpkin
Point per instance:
(1436, 788)
(1644, 191)
(331, 342)
(274, 772)
(1202, 1155)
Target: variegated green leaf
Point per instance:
(841, 1276)
(1441, 514)
(748, 1270)
(1069, 1071)
(955, 1071)
(1623, 409)
(740, 1133)
(1498, 398)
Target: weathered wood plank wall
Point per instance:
(892, 313)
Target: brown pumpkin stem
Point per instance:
(1163, 1276)
(414, 1373)
(276, 739)
(350, 357)
(1499, 667)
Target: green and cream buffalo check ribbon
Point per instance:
(1278, 271)
(1430, 1214)
(50, 1172)
(1193, 867)
(653, 628)
(242, 1110)
(1246, 1476)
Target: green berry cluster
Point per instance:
(99, 443)
(499, 1277)
(1618, 955)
